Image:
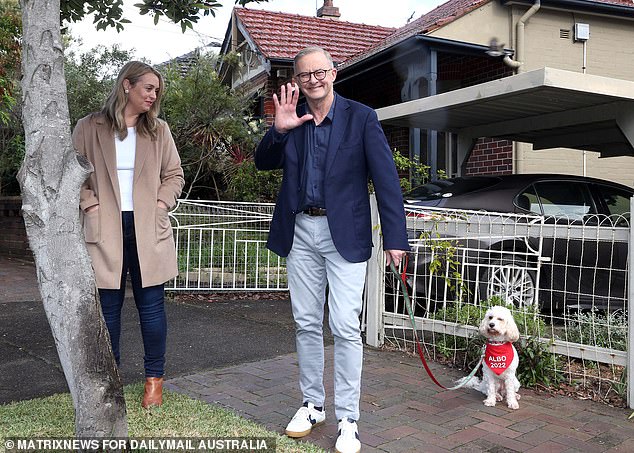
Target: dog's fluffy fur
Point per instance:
(498, 325)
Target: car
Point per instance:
(560, 251)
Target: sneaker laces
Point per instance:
(302, 413)
(348, 429)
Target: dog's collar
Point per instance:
(497, 343)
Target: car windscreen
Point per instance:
(444, 188)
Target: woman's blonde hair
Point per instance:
(114, 107)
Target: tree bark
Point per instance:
(50, 178)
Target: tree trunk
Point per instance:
(50, 179)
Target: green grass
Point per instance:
(180, 416)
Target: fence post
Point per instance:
(630, 314)
(375, 282)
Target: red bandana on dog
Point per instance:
(498, 356)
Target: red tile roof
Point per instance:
(280, 35)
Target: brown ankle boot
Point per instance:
(153, 395)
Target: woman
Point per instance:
(137, 178)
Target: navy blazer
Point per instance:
(358, 151)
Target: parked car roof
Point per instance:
(491, 193)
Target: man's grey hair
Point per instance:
(308, 50)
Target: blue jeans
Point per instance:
(149, 302)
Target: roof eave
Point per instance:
(408, 45)
(580, 5)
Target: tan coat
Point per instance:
(157, 176)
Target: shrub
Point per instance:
(598, 329)
(537, 364)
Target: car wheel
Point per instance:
(512, 281)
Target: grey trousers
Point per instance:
(312, 262)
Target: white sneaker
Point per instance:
(348, 440)
(304, 419)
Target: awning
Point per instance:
(547, 107)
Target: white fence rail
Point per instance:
(569, 278)
(221, 247)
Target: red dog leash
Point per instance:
(419, 348)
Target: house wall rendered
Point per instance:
(608, 54)
(479, 26)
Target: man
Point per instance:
(329, 148)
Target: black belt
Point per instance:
(313, 211)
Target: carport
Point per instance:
(546, 107)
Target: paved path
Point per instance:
(403, 411)
(238, 354)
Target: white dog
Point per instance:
(500, 358)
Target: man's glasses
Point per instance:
(319, 74)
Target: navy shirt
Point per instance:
(316, 148)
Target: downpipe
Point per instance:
(519, 37)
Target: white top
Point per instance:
(126, 150)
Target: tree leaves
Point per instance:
(109, 13)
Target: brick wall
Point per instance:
(491, 157)
(470, 70)
(13, 240)
(270, 87)
(375, 89)
(398, 138)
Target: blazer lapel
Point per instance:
(339, 128)
(105, 135)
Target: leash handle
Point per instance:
(419, 348)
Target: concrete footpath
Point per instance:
(239, 354)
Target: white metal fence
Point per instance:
(568, 282)
(221, 247)
(566, 278)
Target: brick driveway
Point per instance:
(403, 411)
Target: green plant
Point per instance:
(10, 57)
(11, 132)
(605, 330)
(620, 386)
(465, 315)
(537, 365)
(215, 138)
(444, 262)
(416, 170)
(247, 183)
